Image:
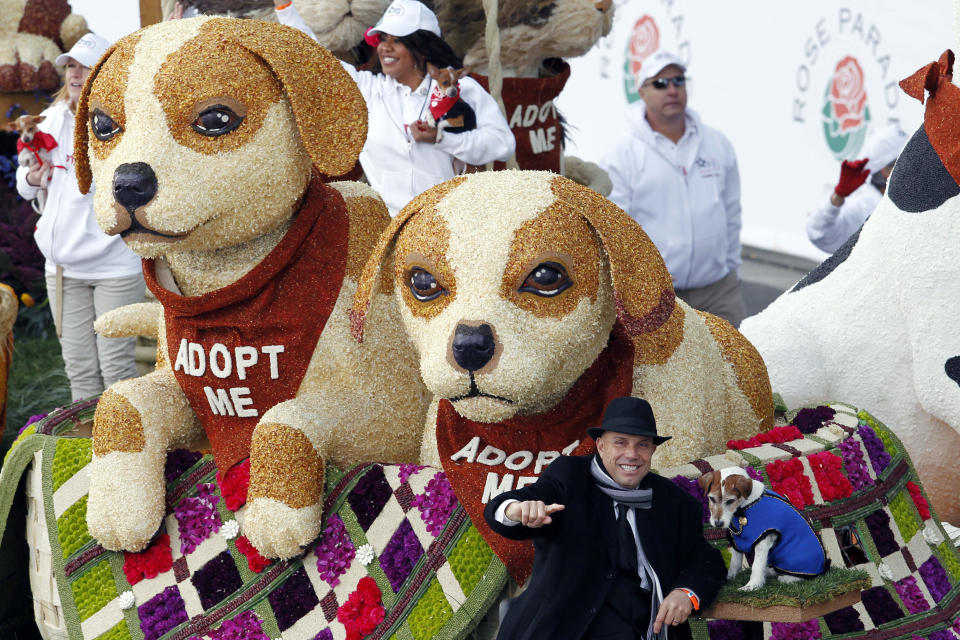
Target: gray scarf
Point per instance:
(635, 499)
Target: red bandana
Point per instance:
(41, 142)
(239, 350)
(440, 102)
(482, 460)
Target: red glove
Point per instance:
(852, 175)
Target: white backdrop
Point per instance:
(760, 72)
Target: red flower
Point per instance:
(848, 94)
(234, 485)
(922, 506)
(787, 478)
(255, 561)
(777, 434)
(149, 563)
(362, 611)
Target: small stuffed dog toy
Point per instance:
(532, 301)
(764, 523)
(207, 138)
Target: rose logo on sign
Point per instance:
(845, 110)
(644, 40)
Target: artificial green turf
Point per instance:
(805, 593)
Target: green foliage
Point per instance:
(38, 384)
(805, 593)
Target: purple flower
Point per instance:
(369, 495)
(245, 626)
(875, 449)
(844, 620)
(879, 525)
(733, 630)
(326, 634)
(436, 503)
(161, 613)
(693, 488)
(753, 473)
(407, 470)
(293, 599)
(334, 552)
(943, 634)
(809, 630)
(400, 555)
(197, 517)
(810, 419)
(31, 420)
(880, 605)
(853, 462)
(911, 595)
(216, 579)
(935, 578)
(178, 461)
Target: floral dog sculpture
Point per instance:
(255, 270)
(532, 301)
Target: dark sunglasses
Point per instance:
(662, 83)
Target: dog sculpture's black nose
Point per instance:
(134, 185)
(473, 347)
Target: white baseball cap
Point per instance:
(87, 50)
(657, 62)
(403, 17)
(883, 147)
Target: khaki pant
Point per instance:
(722, 298)
(93, 362)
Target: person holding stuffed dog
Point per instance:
(619, 552)
(404, 156)
(88, 272)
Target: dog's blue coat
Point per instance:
(798, 551)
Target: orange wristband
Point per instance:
(693, 598)
(284, 6)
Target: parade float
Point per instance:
(395, 552)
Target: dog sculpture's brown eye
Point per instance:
(547, 279)
(103, 125)
(423, 285)
(216, 121)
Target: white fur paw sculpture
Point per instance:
(207, 137)
(876, 324)
(532, 301)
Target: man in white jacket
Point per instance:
(851, 202)
(678, 178)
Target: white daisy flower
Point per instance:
(127, 600)
(365, 554)
(230, 529)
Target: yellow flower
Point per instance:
(27, 299)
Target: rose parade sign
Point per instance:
(845, 111)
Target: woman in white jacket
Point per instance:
(87, 271)
(403, 156)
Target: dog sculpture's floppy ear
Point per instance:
(81, 140)
(371, 271)
(642, 285)
(331, 113)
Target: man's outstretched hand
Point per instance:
(532, 513)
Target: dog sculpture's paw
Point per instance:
(115, 518)
(279, 531)
(752, 585)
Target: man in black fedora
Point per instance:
(619, 552)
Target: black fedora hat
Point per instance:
(629, 415)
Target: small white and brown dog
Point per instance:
(33, 149)
(765, 524)
(207, 138)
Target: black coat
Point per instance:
(575, 555)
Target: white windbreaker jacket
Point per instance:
(686, 196)
(399, 168)
(67, 232)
